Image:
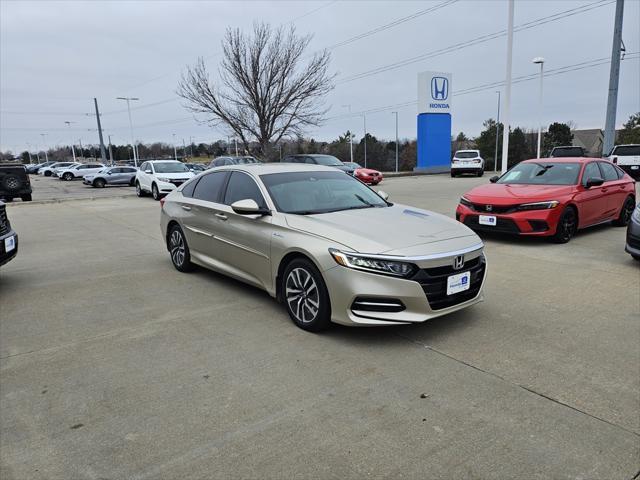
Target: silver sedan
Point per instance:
(324, 244)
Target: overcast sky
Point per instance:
(56, 56)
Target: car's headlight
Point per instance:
(465, 201)
(636, 215)
(164, 179)
(538, 205)
(373, 265)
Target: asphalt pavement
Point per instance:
(113, 365)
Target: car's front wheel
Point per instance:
(155, 193)
(625, 212)
(305, 296)
(67, 176)
(567, 226)
(179, 250)
(99, 183)
(139, 191)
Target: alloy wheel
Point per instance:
(176, 248)
(567, 225)
(302, 295)
(627, 211)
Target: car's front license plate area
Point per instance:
(489, 220)
(458, 283)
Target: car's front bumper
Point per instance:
(369, 179)
(350, 289)
(4, 255)
(166, 187)
(539, 223)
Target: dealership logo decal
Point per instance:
(458, 262)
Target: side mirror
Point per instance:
(593, 182)
(494, 179)
(383, 195)
(148, 171)
(249, 207)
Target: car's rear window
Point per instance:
(625, 150)
(567, 152)
(466, 154)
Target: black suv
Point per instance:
(8, 238)
(14, 183)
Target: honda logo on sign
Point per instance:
(458, 262)
(439, 88)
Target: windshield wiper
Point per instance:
(544, 169)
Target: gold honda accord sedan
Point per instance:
(324, 244)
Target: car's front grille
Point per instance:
(490, 208)
(633, 242)
(4, 221)
(177, 182)
(434, 283)
(503, 225)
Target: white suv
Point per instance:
(627, 157)
(161, 177)
(467, 161)
(48, 170)
(78, 171)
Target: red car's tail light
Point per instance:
(162, 202)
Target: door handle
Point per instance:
(605, 190)
(185, 207)
(221, 216)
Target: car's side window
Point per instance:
(228, 161)
(241, 187)
(209, 187)
(115, 170)
(219, 162)
(608, 171)
(590, 171)
(187, 190)
(143, 167)
(309, 160)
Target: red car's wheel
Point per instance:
(567, 225)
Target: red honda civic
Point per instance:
(366, 175)
(550, 198)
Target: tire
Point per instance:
(99, 183)
(67, 176)
(453, 175)
(480, 173)
(636, 258)
(47, 173)
(155, 193)
(625, 212)
(179, 250)
(11, 183)
(139, 191)
(26, 198)
(132, 182)
(567, 226)
(305, 296)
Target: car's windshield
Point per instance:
(319, 192)
(626, 150)
(466, 154)
(352, 165)
(245, 160)
(327, 160)
(170, 167)
(543, 173)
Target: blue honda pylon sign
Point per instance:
(434, 122)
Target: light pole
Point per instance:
(44, 143)
(133, 143)
(175, 151)
(396, 114)
(507, 90)
(110, 151)
(540, 61)
(29, 152)
(235, 140)
(364, 119)
(495, 157)
(350, 135)
(184, 149)
(81, 149)
(73, 149)
(191, 147)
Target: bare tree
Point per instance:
(265, 90)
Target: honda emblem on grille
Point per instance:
(488, 208)
(458, 262)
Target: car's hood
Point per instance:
(504, 194)
(175, 175)
(395, 230)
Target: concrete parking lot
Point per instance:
(52, 189)
(114, 365)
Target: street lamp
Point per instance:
(540, 61)
(133, 145)
(396, 114)
(364, 119)
(350, 135)
(73, 149)
(175, 151)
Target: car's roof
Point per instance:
(628, 145)
(162, 161)
(266, 168)
(562, 160)
(468, 150)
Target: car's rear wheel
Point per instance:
(453, 175)
(305, 296)
(155, 193)
(179, 250)
(99, 183)
(26, 198)
(625, 212)
(480, 173)
(67, 176)
(139, 191)
(11, 182)
(567, 226)
(132, 182)
(47, 174)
